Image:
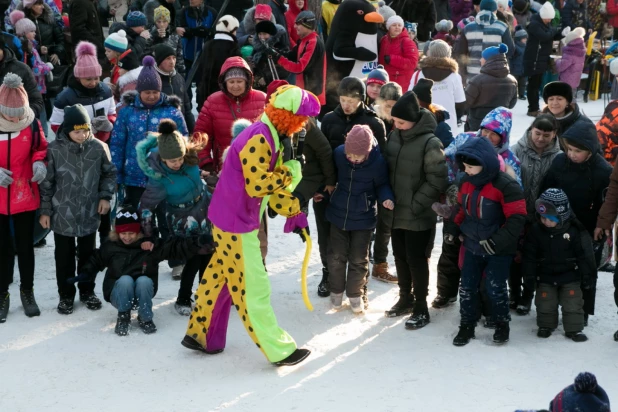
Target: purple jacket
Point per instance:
(571, 65)
(460, 9)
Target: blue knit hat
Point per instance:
(378, 75)
(410, 27)
(136, 19)
(493, 51)
(489, 5)
(148, 78)
(585, 395)
(520, 33)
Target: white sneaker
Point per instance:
(357, 305)
(336, 300)
(177, 272)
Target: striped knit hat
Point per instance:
(117, 41)
(13, 96)
(554, 203)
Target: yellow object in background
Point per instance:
(303, 285)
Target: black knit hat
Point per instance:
(127, 220)
(407, 108)
(266, 26)
(351, 87)
(558, 89)
(75, 118)
(422, 89)
(129, 61)
(162, 51)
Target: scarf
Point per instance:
(10, 127)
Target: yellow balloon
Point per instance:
(305, 293)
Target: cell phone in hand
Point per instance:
(99, 112)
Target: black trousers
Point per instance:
(23, 224)
(348, 261)
(66, 252)
(521, 85)
(383, 234)
(196, 265)
(412, 251)
(323, 226)
(534, 86)
(448, 268)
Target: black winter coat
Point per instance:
(10, 64)
(336, 125)
(121, 259)
(279, 9)
(214, 53)
(85, 25)
(422, 12)
(174, 85)
(48, 32)
(236, 8)
(539, 46)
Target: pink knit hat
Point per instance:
(86, 63)
(22, 24)
(263, 12)
(13, 96)
(359, 140)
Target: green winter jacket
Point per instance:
(418, 173)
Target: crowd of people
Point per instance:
(293, 110)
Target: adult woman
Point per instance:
(22, 151)
(236, 100)
(398, 54)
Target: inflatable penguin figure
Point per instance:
(352, 46)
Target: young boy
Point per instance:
(132, 264)
(362, 177)
(491, 217)
(517, 61)
(558, 256)
(80, 182)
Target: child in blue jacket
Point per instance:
(362, 181)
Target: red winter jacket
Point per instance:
(18, 152)
(220, 111)
(612, 12)
(403, 58)
(290, 18)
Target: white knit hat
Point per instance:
(547, 11)
(579, 32)
(227, 23)
(393, 20)
(613, 66)
(503, 3)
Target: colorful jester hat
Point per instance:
(295, 100)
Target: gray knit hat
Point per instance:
(439, 48)
(13, 96)
(236, 73)
(172, 144)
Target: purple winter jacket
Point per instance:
(571, 65)
(460, 9)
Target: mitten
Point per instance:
(489, 246)
(296, 224)
(102, 124)
(39, 171)
(5, 177)
(442, 209)
(566, 31)
(51, 66)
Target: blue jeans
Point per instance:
(126, 290)
(497, 270)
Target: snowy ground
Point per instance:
(367, 362)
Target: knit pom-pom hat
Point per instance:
(149, 79)
(86, 62)
(444, 25)
(13, 96)
(22, 24)
(493, 51)
(172, 145)
(585, 395)
(117, 41)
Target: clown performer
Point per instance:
(254, 176)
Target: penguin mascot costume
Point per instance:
(352, 46)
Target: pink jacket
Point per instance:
(571, 65)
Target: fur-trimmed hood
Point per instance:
(438, 68)
(129, 77)
(47, 16)
(147, 152)
(248, 22)
(131, 98)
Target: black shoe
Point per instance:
(123, 323)
(419, 318)
(544, 333)
(514, 301)
(523, 308)
(91, 301)
(41, 243)
(502, 332)
(576, 336)
(5, 302)
(608, 267)
(296, 357)
(466, 332)
(65, 307)
(489, 324)
(324, 287)
(585, 320)
(190, 343)
(147, 327)
(31, 309)
(616, 336)
(404, 306)
(442, 301)
(522, 97)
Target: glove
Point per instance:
(5, 178)
(102, 124)
(296, 224)
(387, 59)
(449, 239)
(51, 66)
(442, 209)
(82, 277)
(566, 31)
(297, 174)
(39, 171)
(274, 54)
(489, 246)
(200, 32)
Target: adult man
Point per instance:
(85, 25)
(307, 57)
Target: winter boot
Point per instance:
(147, 327)
(324, 287)
(336, 300)
(177, 272)
(544, 333)
(297, 356)
(91, 301)
(523, 308)
(356, 304)
(183, 306)
(380, 272)
(190, 343)
(123, 323)
(502, 332)
(442, 301)
(27, 300)
(466, 332)
(5, 302)
(404, 305)
(419, 318)
(65, 307)
(576, 336)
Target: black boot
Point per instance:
(65, 307)
(576, 336)
(442, 301)
(190, 343)
(147, 327)
(544, 333)
(404, 305)
(523, 308)
(296, 357)
(489, 324)
(91, 301)
(5, 302)
(502, 332)
(29, 303)
(616, 336)
(324, 287)
(123, 323)
(466, 332)
(419, 318)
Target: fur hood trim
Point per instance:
(128, 98)
(129, 77)
(445, 63)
